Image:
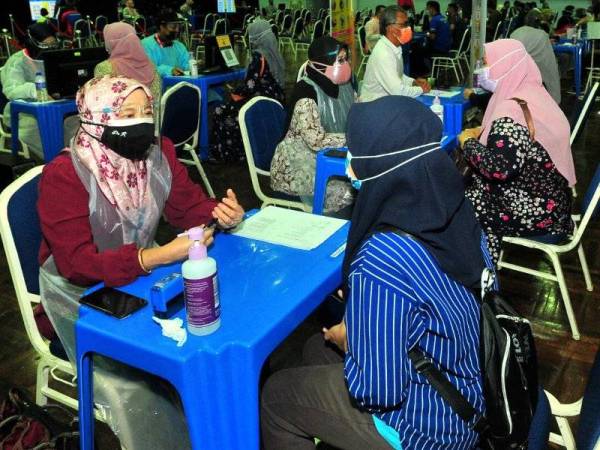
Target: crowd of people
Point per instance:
(421, 233)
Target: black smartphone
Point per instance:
(114, 303)
(335, 153)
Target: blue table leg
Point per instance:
(14, 130)
(204, 121)
(85, 388)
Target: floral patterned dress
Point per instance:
(516, 190)
(226, 140)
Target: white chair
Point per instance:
(180, 109)
(362, 44)
(262, 123)
(554, 250)
(454, 60)
(304, 43)
(285, 37)
(593, 34)
(21, 237)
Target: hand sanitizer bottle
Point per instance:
(437, 108)
(200, 288)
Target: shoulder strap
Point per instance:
(476, 421)
(528, 118)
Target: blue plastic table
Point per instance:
(332, 166)
(454, 110)
(266, 291)
(204, 82)
(50, 117)
(577, 51)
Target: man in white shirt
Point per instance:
(372, 28)
(385, 69)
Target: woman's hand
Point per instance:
(229, 213)
(467, 93)
(469, 133)
(176, 250)
(337, 335)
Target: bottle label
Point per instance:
(202, 300)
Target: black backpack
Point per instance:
(510, 385)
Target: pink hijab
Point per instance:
(123, 182)
(522, 79)
(127, 53)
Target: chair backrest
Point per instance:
(297, 14)
(209, 21)
(307, 18)
(327, 22)
(180, 113)
(83, 26)
(220, 27)
(591, 197)
(593, 30)
(465, 41)
(362, 40)
(21, 238)
(298, 28)
(287, 23)
(498, 27)
(318, 30)
(581, 112)
(279, 17)
(588, 430)
(101, 22)
(262, 124)
(301, 71)
(539, 431)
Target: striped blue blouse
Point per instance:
(399, 298)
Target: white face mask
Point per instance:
(397, 166)
(483, 74)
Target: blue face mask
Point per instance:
(356, 183)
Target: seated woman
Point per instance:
(99, 206)
(408, 271)
(521, 156)
(128, 58)
(265, 76)
(317, 115)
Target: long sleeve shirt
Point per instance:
(399, 298)
(67, 235)
(166, 58)
(385, 74)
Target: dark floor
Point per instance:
(564, 363)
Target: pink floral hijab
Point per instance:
(519, 77)
(123, 182)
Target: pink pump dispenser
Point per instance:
(200, 287)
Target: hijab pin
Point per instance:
(106, 109)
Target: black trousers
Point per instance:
(313, 401)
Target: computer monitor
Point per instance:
(226, 6)
(213, 59)
(68, 69)
(35, 7)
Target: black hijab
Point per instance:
(323, 50)
(424, 198)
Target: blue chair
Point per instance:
(589, 210)
(180, 107)
(588, 430)
(21, 238)
(262, 124)
(327, 167)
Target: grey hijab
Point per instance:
(263, 40)
(537, 44)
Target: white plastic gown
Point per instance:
(18, 83)
(140, 409)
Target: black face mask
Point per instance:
(131, 141)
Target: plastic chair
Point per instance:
(588, 432)
(101, 22)
(299, 42)
(327, 167)
(83, 33)
(262, 124)
(589, 208)
(497, 30)
(593, 35)
(209, 21)
(21, 238)
(180, 108)
(362, 45)
(285, 37)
